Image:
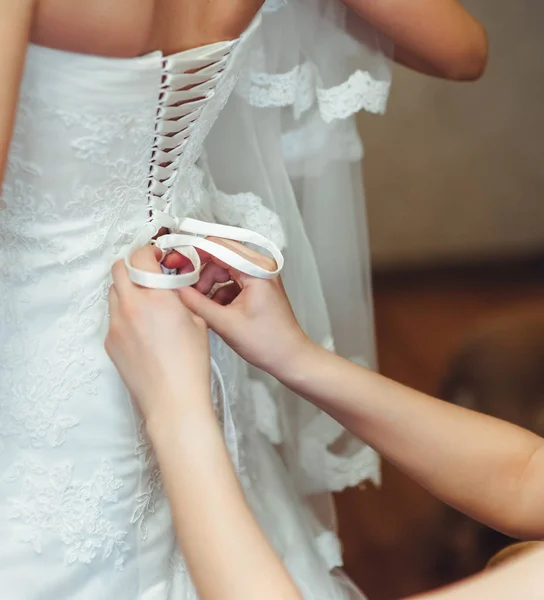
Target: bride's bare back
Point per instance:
(126, 28)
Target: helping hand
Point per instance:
(252, 315)
(159, 347)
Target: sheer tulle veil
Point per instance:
(288, 135)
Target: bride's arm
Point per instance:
(15, 21)
(436, 37)
(161, 351)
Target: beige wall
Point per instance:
(456, 171)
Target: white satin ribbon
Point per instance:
(189, 234)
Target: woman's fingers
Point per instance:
(215, 271)
(121, 280)
(147, 259)
(255, 257)
(210, 275)
(178, 261)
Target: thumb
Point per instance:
(147, 259)
(203, 307)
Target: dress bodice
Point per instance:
(99, 142)
(103, 150)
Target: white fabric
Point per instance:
(229, 426)
(97, 152)
(288, 134)
(185, 244)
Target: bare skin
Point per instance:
(438, 38)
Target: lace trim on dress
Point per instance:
(360, 91)
(246, 210)
(330, 549)
(301, 88)
(328, 470)
(335, 471)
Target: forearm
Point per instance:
(521, 578)
(480, 465)
(228, 556)
(436, 37)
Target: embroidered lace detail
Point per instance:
(360, 91)
(29, 408)
(23, 205)
(98, 129)
(32, 387)
(38, 379)
(248, 211)
(146, 501)
(107, 207)
(301, 88)
(54, 504)
(294, 88)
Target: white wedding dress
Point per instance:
(104, 152)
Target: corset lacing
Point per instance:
(189, 81)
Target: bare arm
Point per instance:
(487, 468)
(15, 21)
(227, 553)
(484, 467)
(435, 37)
(162, 353)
